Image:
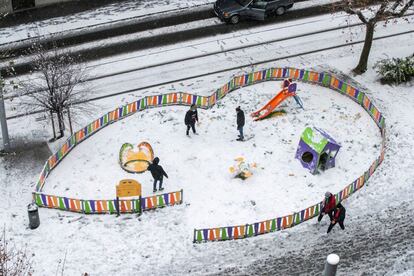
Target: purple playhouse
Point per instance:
(317, 150)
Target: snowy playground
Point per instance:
(175, 240)
(200, 164)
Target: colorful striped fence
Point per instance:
(110, 206)
(183, 98)
(277, 224)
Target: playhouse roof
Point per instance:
(317, 139)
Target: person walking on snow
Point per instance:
(191, 117)
(338, 217)
(328, 206)
(158, 173)
(240, 123)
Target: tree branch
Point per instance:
(349, 10)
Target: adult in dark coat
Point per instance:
(328, 206)
(240, 123)
(191, 117)
(158, 173)
(338, 217)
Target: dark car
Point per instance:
(231, 11)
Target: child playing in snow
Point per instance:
(338, 217)
(328, 206)
(240, 123)
(191, 117)
(286, 83)
(157, 173)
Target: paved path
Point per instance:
(368, 246)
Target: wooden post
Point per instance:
(194, 239)
(182, 195)
(140, 205)
(117, 207)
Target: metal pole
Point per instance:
(3, 122)
(331, 265)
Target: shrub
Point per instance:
(13, 261)
(396, 70)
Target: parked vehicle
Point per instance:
(232, 11)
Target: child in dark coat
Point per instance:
(191, 117)
(157, 173)
(240, 123)
(338, 217)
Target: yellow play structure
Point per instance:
(136, 160)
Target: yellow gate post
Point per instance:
(128, 188)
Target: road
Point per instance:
(118, 75)
(99, 43)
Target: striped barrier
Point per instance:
(185, 99)
(110, 206)
(277, 224)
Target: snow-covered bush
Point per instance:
(13, 261)
(396, 70)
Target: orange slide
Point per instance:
(272, 104)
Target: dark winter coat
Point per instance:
(191, 117)
(286, 83)
(339, 213)
(240, 118)
(156, 170)
(329, 204)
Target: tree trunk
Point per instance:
(70, 122)
(363, 59)
(53, 126)
(61, 125)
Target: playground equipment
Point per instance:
(135, 161)
(129, 188)
(242, 169)
(317, 150)
(288, 90)
(223, 233)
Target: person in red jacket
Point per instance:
(328, 206)
(338, 217)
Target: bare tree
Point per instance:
(13, 261)
(370, 13)
(59, 86)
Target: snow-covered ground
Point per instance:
(200, 165)
(160, 242)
